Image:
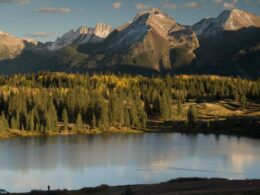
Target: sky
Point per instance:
(45, 20)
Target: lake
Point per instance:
(74, 162)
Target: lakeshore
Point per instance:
(18, 133)
(188, 186)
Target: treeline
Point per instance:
(58, 101)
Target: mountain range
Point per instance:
(152, 43)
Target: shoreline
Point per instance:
(180, 128)
(176, 186)
(30, 134)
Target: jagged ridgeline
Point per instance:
(58, 101)
(151, 43)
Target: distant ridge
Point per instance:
(151, 42)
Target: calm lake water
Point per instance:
(78, 161)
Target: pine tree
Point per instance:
(79, 123)
(121, 118)
(47, 126)
(116, 109)
(93, 122)
(51, 121)
(103, 120)
(4, 126)
(53, 117)
(165, 107)
(192, 115)
(235, 95)
(144, 119)
(134, 116)
(179, 108)
(168, 81)
(30, 121)
(65, 119)
(201, 89)
(15, 122)
(243, 102)
(113, 108)
(127, 121)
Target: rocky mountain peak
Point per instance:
(10, 46)
(102, 30)
(148, 40)
(236, 19)
(153, 20)
(157, 20)
(82, 35)
(152, 11)
(155, 15)
(82, 30)
(228, 20)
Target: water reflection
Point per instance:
(78, 161)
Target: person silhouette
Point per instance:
(49, 188)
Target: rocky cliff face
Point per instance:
(82, 35)
(11, 46)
